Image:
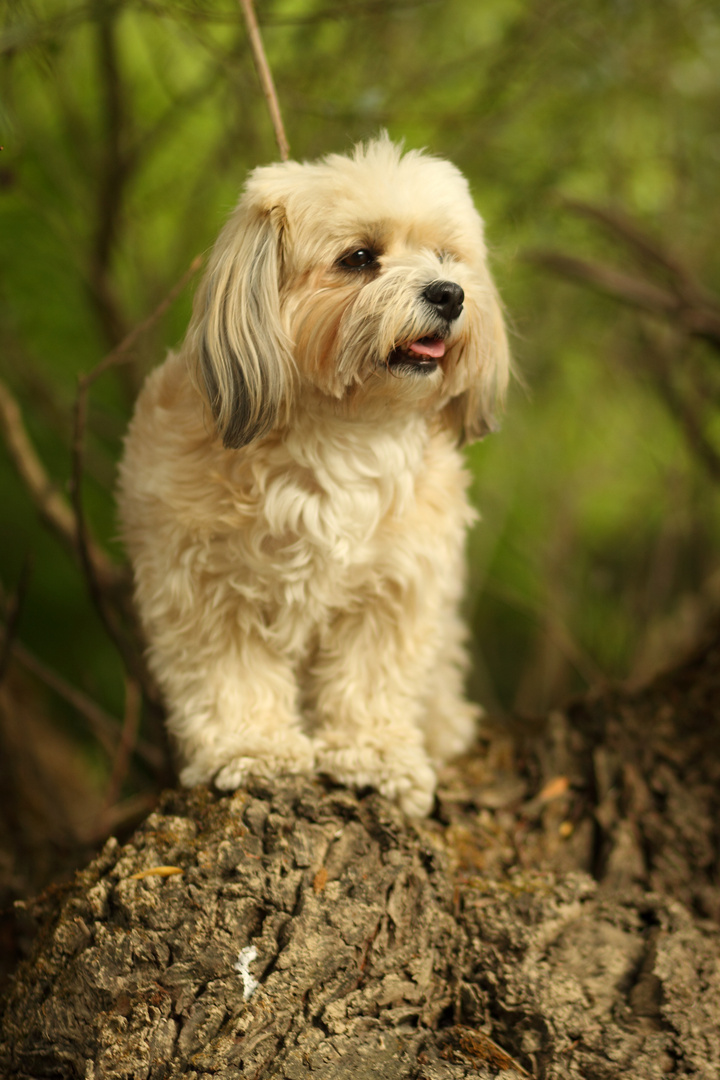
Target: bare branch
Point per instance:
(628, 231)
(265, 76)
(50, 504)
(52, 507)
(333, 12)
(103, 726)
(113, 173)
(697, 320)
(122, 816)
(605, 279)
(121, 354)
(128, 740)
(660, 362)
(13, 610)
(27, 33)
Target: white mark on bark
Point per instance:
(242, 966)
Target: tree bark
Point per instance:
(557, 918)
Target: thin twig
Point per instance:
(265, 75)
(660, 363)
(550, 620)
(126, 745)
(632, 235)
(52, 507)
(336, 12)
(103, 726)
(125, 815)
(112, 175)
(13, 611)
(131, 659)
(606, 279)
(697, 319)
(24, 34)
(121, 354)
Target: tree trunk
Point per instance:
(558, 918)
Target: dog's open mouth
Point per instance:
(422, 355)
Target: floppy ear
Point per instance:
(482, 372)
(244, 357)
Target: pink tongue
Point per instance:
(428, 347)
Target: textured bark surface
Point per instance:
(558, 918)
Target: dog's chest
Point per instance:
(332, 493)
(331, 510)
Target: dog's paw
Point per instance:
(403, 775)
(231, 769)
(239, 769)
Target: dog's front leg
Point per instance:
(233, 712)
(369, 684)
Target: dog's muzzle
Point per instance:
(423, 355)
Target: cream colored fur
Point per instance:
(294, 504)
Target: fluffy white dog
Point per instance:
(292, 496)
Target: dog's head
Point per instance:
(360, 279)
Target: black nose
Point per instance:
(446, 297)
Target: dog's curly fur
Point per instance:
(292, 496)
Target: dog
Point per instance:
(292, 494)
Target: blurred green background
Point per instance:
(127, 129)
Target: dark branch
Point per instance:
(696, 319)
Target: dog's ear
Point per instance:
(243, 356)
(482, 373)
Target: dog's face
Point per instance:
(359, 278)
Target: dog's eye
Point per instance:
(359, 260)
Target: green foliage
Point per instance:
(128, 126)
